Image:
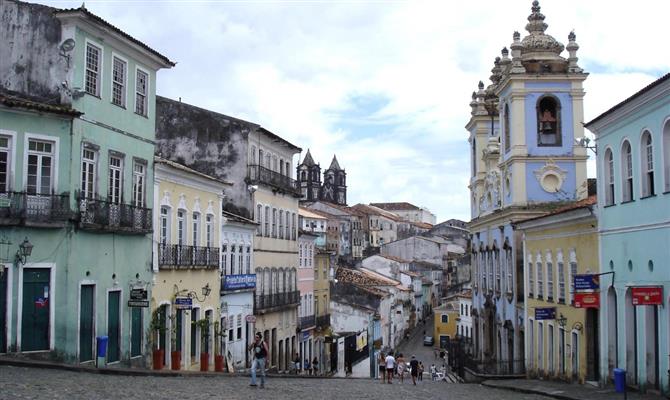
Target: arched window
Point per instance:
(303, 176)
(267, 221)
(274, 222)
(666, 155)
(506, 127)
(627, 171)
(548, 121)
(259, 217)
(647, 164)
(281, 224)
(609, 177)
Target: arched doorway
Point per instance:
(612, 332)
(630, 319)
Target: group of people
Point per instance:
(309, 368)
(390, 366)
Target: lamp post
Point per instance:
(25, 250)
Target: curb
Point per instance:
(530, 391)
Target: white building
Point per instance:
(408, 211)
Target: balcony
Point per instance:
(276, 301)
(174, 256)
(20, 208)
(323, 321)
(307, 322)
(258, 174)
(235, 283)
(100, 215)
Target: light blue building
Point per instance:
(633, 143)
(525, 162)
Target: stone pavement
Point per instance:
(18, 383)
(565, 391)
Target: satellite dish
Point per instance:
(67, 45)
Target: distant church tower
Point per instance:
(309, 178)
(335, 184)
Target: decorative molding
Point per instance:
(550, 176)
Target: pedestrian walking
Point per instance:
(420, 371)
(433, 372)
(296, 363)
(315, 366)
(390, 365)
(414, 369)
(400, 362)
(382, 367)
(260, 354)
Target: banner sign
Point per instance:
(586, 282)
(542, 313)
(361, 340)
(647, 296)
(237, 282)
(183, 303)
(587, 300)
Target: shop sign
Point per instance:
(239, 282)
(587, 300)
(586, 282)
(542, 313)
(138, 298)
(647, 296)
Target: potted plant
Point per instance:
(203, 324)
(156, 327)
(218, 357)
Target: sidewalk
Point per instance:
(566, 391)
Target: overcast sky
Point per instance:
(385, 85)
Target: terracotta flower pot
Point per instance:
(158, 358)
(176, 360)
(204, 362)
(218, 363)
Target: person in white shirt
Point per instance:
(390, 365)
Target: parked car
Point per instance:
(428, 341)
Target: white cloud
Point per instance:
(297, 68)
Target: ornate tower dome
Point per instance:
(538, 45)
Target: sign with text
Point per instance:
(238, 282)
(542, 313)
(647, 296)
(587, 300)
(586, 282)
(139, 294)
(183, 303)
(250, 318)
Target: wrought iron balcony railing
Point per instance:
(323, 321)
(96, 214)
(181, 256)
(21, 207)
(307, 322)
(267, 301)
(259, 174)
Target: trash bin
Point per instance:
(101, 345)
(619, 380)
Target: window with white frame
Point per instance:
(119, 73)
(89, 160)
(274, 222)
(139, 181)
(115, 179)
(491, 255)
(627, 171)
(240, 259)
(287, 235)
(497, 264)
(540, 280)
(181, 227)
(5, 162)
(141, 92)
(281, 224)
(232, 260)
(259, 217)
(647, 164)
(40, 167)
(208, 230)
(609, 177)
(293, 226)
(666, 155)
(550, 277)
(573, 272)
(248, 259)
(561, 278)
(224, 258)
(510, 271)
(93, 62)
(485, 261)
(165, 226)
(196, 228)
(267, 221)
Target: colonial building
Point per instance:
(525, 159)
(408, 211)
(633, 143)
(561, 329)
(185, 294)
(315, 223)
(323, 262)
(334, 186)
(345, 234)
(77, 112)
(308, 302)
(380, 226)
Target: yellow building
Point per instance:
(185, 296)
(561, 339)
(446, 318)
(322, 262)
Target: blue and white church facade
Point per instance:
(523, 134)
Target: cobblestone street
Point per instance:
(31, 383)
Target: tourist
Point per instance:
(382, 367)
(260, 354)
(390, 365)
(420, 371)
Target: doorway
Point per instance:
(86, 323)
(35, 305)
(612, 332)
(3, 310)
(651, 354)
(631, 339)
(114, 326)
(592, 345)
(575, 356)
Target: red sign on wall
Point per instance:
(587, 300)
(647, 296)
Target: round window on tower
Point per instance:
(551, 182)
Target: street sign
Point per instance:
(250, 318)
(138, 294)
(587, 300)
(542, 313)
(138, 303)
(647, 296)
(586, 282)
(183, 303)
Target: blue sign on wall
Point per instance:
(587, 282)
(237, 282)
(183, 303)
(545, 313)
